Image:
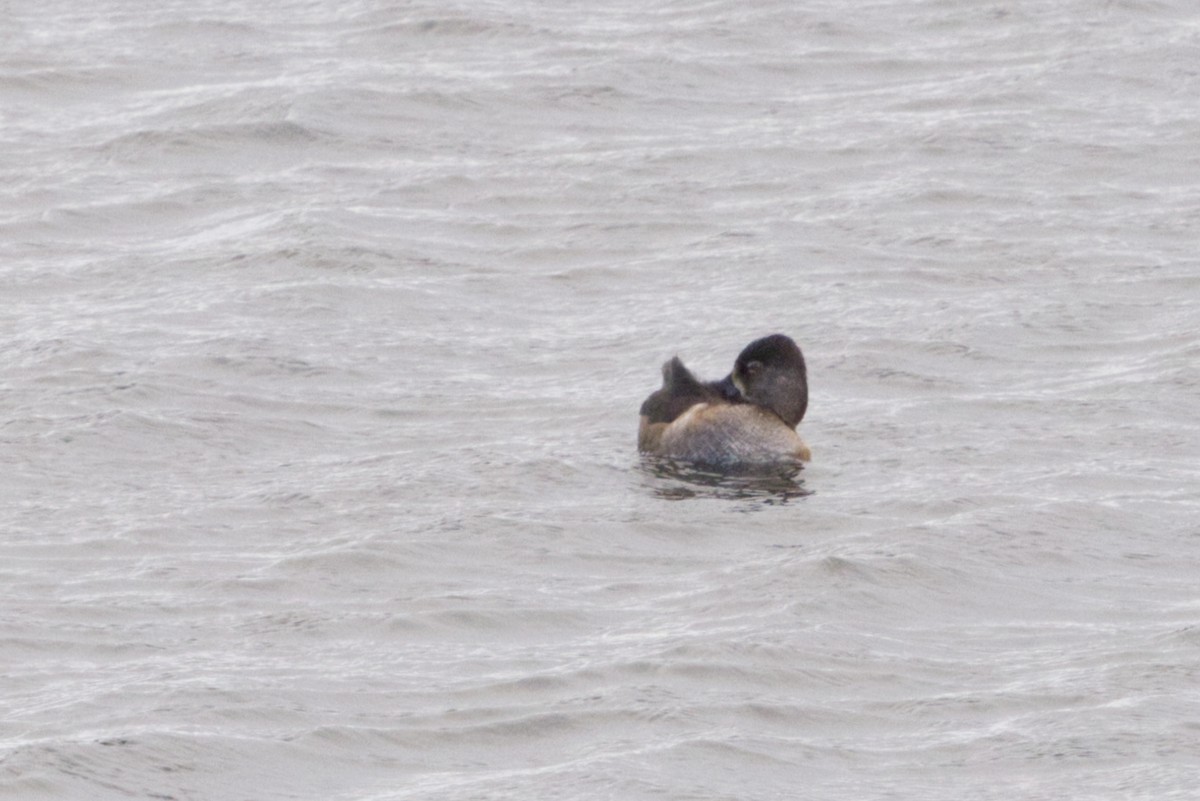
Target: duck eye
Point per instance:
(754, 368)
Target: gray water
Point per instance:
(324, 329)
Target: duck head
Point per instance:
(770, 372)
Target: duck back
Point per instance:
(728, 434)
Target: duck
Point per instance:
(747, 418)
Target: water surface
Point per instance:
(325, 329)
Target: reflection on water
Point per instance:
(770, 484)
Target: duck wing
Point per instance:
(681, 390)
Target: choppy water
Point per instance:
(325, 326)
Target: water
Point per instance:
(325, 326)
